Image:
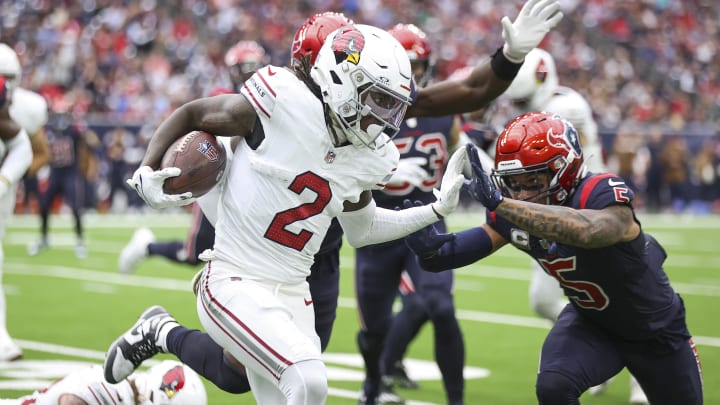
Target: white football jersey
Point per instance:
(29, 110)
(86, 383)
(280, 197)
(572, 106)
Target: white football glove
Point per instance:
(452, 181)
(148, 183)
(536, 18)
(409, 170)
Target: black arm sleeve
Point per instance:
(502, 67)
(468, 247)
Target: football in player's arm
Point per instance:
(313, 150)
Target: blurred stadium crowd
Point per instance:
(650, 69)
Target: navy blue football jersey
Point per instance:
(62, 140)
(425, 137)
(623, 287)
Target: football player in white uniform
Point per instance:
(29, 111)
(15, 158)
(536, 88)
(313, 148)
(167, 383)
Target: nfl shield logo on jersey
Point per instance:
(330, 157)
(209, 151)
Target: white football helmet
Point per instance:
(572, 106)
(366, 81)
(535, 83)
(10, 66)
(170, 383)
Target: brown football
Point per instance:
(202, 160)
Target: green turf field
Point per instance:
(63, 310)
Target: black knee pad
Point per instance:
(553, 388)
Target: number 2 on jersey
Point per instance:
(277, 231)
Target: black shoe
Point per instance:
(401, 379)
(388, 395)
(365, 400)
(142, 341)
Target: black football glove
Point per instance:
(426, 242)
(479, 186)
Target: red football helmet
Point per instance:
(243, 59)
(415, 42)
(539, 143)
(310, 37)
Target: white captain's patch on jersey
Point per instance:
(520, 238)
(261, 88)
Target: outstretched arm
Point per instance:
(365, 224)
(445, 251)
(584, 228)
(491, 78)
(589, 229)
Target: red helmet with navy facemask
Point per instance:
(415, 42)
(310, 37)
(539, 143)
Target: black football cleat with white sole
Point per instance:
(142, 341)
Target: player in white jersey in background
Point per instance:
(536, 88)
(312, 149)
(167, 383)
(22, 109)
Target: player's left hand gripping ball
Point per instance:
(148, 183)
(480, 186)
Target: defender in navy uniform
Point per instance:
(65, 133)
(424, 150)
(582, 229)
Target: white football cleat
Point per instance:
(9, 351)
(637, 395)
(80, 250)
(135, 251)
(36, 247)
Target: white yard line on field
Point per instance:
(24, 269)
(100, 356)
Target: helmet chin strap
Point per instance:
(335, 127)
